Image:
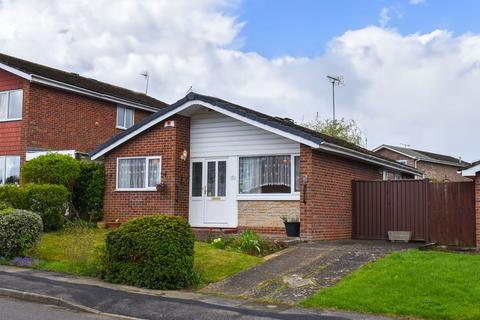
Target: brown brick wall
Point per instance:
(327, 213)
(166, 142)
(440, 172)
(10, 131)
(477, 207)
(265, 216)
(62, 120)
(396, 156)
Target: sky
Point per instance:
(411, 67)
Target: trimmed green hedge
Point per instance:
(48, 200)
(52, 168)
(19, 231)
(153, 252)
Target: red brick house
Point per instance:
(224, 166)
(434, 166)
(45, 109)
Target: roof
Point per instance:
(426, 156)
(281, 126)
(73, 79)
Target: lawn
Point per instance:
(427, 284)
(78, 252)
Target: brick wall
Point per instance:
(166, 142)
(434, 171)
(477, 207)
(58, 119)
(265, 216)
(327, 213)
(10, 131)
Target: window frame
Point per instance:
(124, 127)
(146, 188)
(8, 92)
(4, 177)
(293, 195)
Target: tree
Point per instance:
(347, 130)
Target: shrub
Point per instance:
(13, 196)
(248, 242)
(88, 191)
(19, 231)
(154, 252)
(50, 201)
(52, 169)
(77, 223)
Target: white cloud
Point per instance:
(384, 17)
(415, 2)
(418, 89)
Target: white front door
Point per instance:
(210, 194)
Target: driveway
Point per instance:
(303, 269)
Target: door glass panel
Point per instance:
(211, 179)
(197, 171)
(222, 178)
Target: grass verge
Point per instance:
(427, 284)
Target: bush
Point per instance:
(13, 196)
(19, 231)
(153, 252)
(248, 242)
(88, 191)
(50, 201)
(52, 169)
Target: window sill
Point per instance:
(279, 197)
(121, 128)
(137, 190)
(10, 120)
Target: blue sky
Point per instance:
(305, 27)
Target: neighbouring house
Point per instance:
(221, 165)
(44, 109)
(434, 166)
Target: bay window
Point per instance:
(269, 174)
(125, 117)
(9, 170)
(139, 173)
(11, 104)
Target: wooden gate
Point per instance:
(443, 213)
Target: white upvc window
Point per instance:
(11, 105)
(9, 170)
(138, 173)
(269, 174)
(125, 117)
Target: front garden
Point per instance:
(49, 223)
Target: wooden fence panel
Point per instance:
(443, 213)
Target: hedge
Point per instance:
(49, 201)
(19, 231)
(87, 196)
(52, 168)
(153, 252)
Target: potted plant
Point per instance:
(292, 226)
(162, 187)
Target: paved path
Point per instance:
(303, 269)
(13, 309)
(92, 294)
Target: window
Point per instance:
(11, 105)
(269, 174)
(389, 175)
(125, 117)
(402, 162)
(9, 170)
(141, 173)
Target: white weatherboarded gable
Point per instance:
(213, 134)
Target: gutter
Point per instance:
(90, 93)
(358, 155)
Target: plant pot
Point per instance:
(403, 236)
(292, 229)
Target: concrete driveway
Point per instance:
(303, 269)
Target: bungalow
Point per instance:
(221, 165)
